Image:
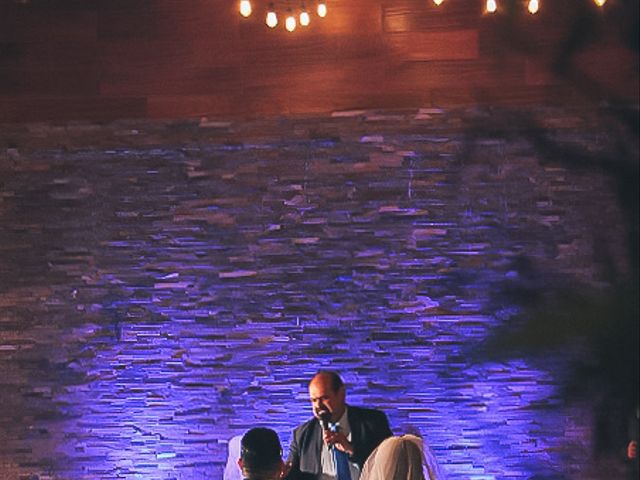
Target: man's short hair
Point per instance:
(260, 450)
(336, 381)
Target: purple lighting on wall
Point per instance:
(186, 293)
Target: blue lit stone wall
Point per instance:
(164, 286)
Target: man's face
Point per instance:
(325, 399)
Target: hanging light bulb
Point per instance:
(272, 18)
(600, 2)
(245, 8)
(304, 17)
(290, 22)
(492, 6)
(533, 7)
(438, 2)
(322, 9)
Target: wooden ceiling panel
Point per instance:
(50, 68)
(186, 81)
(166, 19)
(200, 57)
(64, 22)
(438, 45)
(131, 58)
(457, 74)
(328, 51)
(49, 81)
(424, 15)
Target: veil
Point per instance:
(432, 469)
(401, 458)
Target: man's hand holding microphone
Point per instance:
(336, 439)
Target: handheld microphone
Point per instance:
(324, 418)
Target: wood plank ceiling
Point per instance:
(102, 60)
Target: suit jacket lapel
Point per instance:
(354, 424)
(310, 460)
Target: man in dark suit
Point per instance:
(336, 442)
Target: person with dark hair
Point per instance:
(335, 443)
(261, 455)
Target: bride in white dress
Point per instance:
(403, 457)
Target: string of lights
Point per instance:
(533, 6)
(301, 16)
(293, 17)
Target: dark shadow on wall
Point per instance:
(557, 313)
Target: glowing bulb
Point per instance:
(492, 6)
(245, 8)
(438, 2)
(304, 18)
(290, 23)
(533, 7)
(322, 9)
(272, 19)
(600, 2)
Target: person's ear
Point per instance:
(240, 464)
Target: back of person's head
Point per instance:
(396, 458)
(261, 454)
